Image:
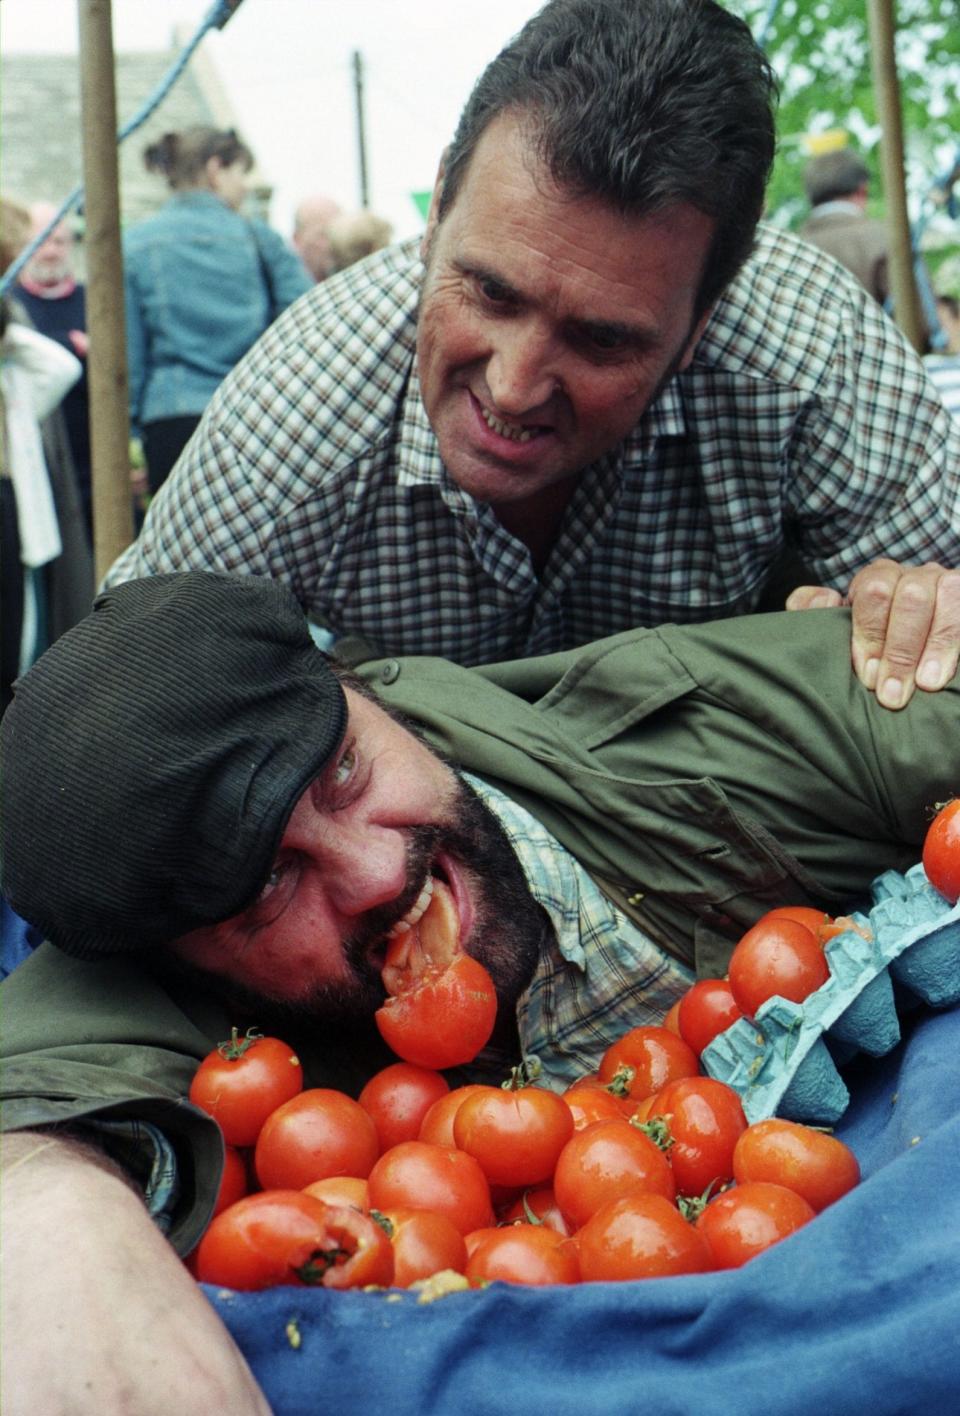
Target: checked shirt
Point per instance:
(803, 415)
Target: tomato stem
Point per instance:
(235, 1048)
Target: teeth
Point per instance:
(416, 911)
(514, 431)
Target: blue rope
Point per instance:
(216, 18)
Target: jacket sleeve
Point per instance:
(85, 1042)
(288, 275)
(136, 346)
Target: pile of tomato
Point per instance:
(645, 1169)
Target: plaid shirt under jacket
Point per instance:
(802, 413)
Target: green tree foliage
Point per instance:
(820, 50)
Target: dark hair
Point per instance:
(833, 175)
(181, 157)
(642, 103)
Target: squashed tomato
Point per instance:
(442, 1004)
(706, 1009)
(699, 1121)
(241, 1081)
(941, 851)
(640, 1236)
(740, 1223)
(817, 1166)
(604, 1162)
(287, 1237)
(524, 1253)
(515, 1136)
(424, 1243)
(398, 1097)
(779, 957)
(319, 1133)
(647, 1058)
(418, 1175)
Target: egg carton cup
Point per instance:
(785, 1062)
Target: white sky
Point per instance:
(287, 69)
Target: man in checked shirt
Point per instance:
(597, 395)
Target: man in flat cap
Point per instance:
(214, 823)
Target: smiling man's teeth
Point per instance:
(416, 911)
(514, 431)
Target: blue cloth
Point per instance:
(857, 1313)
(197, 298)
(17, 939)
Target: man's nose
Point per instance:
(521, 372)
(364, 870)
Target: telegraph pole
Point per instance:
(361, 127)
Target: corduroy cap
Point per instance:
(153, 755)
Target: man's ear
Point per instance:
(426, 239)
(689, 349)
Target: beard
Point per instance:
(509, 928)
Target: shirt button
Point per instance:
(390, 671)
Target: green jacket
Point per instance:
(702, 773)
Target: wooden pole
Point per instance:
(361, 127)
(107, 364)
(906, 304)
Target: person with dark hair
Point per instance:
(838, 187)
(213, 824)
(202, 283)
(605, 397)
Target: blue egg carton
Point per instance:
(785, 1062)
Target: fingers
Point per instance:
(813, 597)
(906, 628)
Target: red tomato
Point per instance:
(775, 957)
(941, 851)
(640, 1236)
(437, 1125)
(349, 1190)
(740, 1223)
(321, 1132)
(655, 1055)
(814, 920)
(398, 1097)
(418, 1175)
(241, 1081)
(233, 1181)
(706, 1009)
(287, 1237)
(607, 1161)
(817, 1166)
(589, 1100)
(442, 1004)
(704, 1120)
(515, 1136)
(540, 1207)
(671, 1020)
(524, 1253)
(424, 1243)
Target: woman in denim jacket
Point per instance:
(202, 283)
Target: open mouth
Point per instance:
(513, 432)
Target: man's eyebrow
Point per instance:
(638, 336)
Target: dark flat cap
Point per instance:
(153, 755)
